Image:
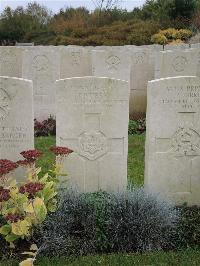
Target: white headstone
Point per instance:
(41, 64)
(176, 63)
(180, 46)
(112, 64)
(74, 62)
(173, 139)
(11, 61)
(142, 71)
(195, 45)
(92, 119)
(16, 118)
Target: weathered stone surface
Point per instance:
(197, 56)
(92, 120)
(176, 63)
(181, 46)
(142, 71)
(195, 45)
(111, 63)
(16, 119)
(41, 65)
(173, 139)
(75, 62)
(11, 61)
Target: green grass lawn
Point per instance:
(135, 156)
(186, 257)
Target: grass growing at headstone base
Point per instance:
(48, 159)
(135, 157)
(186, 257)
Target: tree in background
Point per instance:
(166, 10)
(16, 24)
(183, 8)
(105, 4)
(70, 20)
(106, 25)
(39, 15)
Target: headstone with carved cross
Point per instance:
(176, 63)
(111, 63)
(92, 119)
(41, 65)
(172, 163)
(16, 119)
(75, 61)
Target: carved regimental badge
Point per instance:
(139, 58)
(186, 142)
(179, 63)
(8, 58)
(92, 145)
(76, 58)
(41, 63)
(112, 62)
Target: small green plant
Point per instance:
(137, 126)
(159, 39)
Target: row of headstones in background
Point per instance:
(92, 119)
(44, 65)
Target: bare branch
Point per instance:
(105, 4)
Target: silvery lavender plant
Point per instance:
(103, 222)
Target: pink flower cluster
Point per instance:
(6, 166)
(4, 194)
(31, 188)
(14, 217)
(31, 155)
(63, 151)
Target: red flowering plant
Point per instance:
(6, 166)
(24, 206)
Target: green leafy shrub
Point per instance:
(159, 39)
(137, 126)
(188, 230)
(170, 33)
(141, 32)
(184, 34)
(102, 222)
